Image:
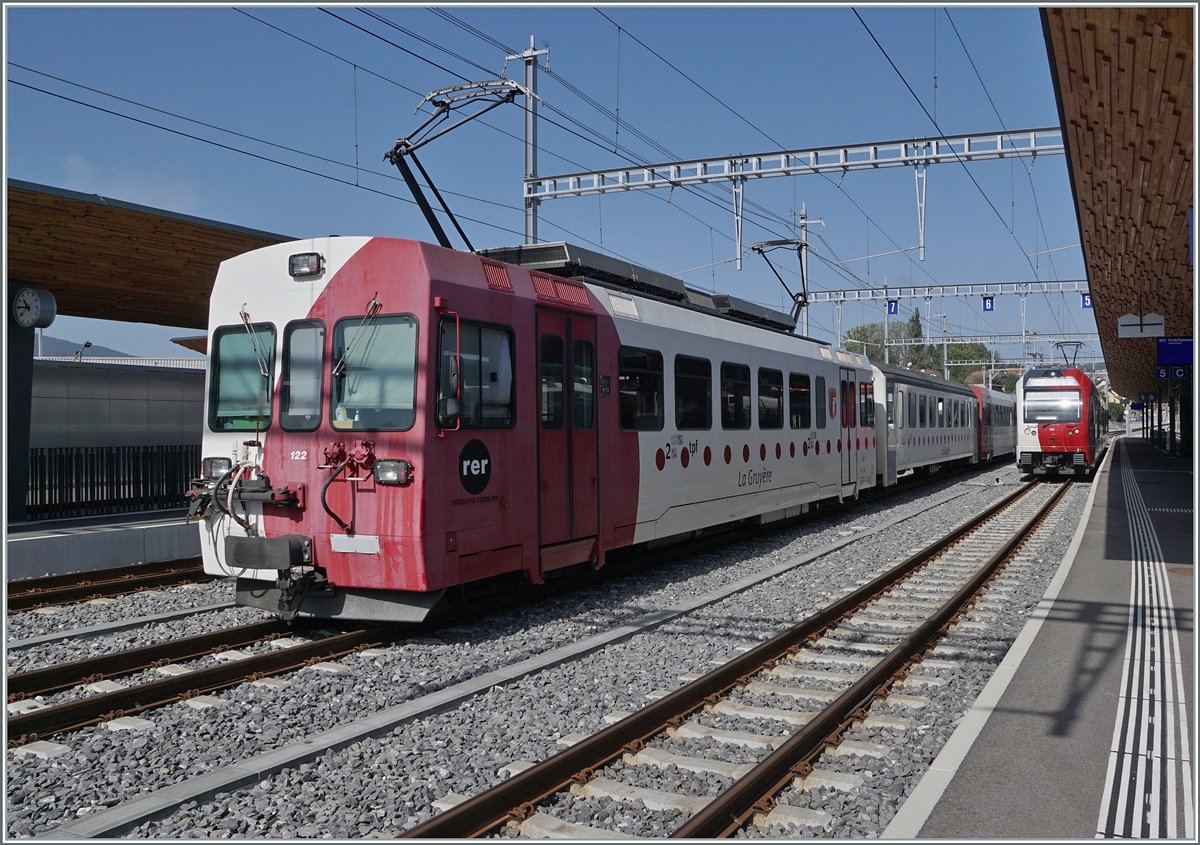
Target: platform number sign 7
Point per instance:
(1087, 300)
(893, 306)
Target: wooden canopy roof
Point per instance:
(1123, 79)
(114, 260)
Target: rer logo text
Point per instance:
(474, 467)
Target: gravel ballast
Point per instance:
(378, 787)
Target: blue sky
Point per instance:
(757, 79)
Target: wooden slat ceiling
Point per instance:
(114, 260)
(1123, 78)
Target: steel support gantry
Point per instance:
(918, 153)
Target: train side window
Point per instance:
(848, 416)
(770, 398)
(866, 404)
(891, 405)
(640, 389)
(243, 367)
(583, 399)
(921, 408)
(487, 374)
(735, 396)
(912, 409)
(799, 401)
(301, 380)
(552, 382)
(820, 403)
(693, 393)
(941, 412)
(374, 381)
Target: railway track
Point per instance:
(42, 721)
(827, 670)
(82, 586)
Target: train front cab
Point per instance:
(1058, 429)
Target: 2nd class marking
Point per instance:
(300, 456)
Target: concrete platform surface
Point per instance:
(1092, 734)
(56, 548)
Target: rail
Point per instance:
(517, 797)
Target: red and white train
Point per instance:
(1063, 426)
(387, 420)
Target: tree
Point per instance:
(1116, 412)
(869, 337)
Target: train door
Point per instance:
(568, 498)
(848, 456)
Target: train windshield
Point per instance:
(243, 360)
(374, 377)
(1052, 406)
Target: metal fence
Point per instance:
(93, 480)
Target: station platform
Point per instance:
(56, 547)
(1085, 729)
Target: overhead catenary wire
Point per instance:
(483, 122)
(777, 143)
(1028, 172)
(966, 169)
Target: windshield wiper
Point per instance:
(373, 308)
(258, 353)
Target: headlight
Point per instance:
(215, 467)
(305, 264)
(392, 472)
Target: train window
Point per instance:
(583, 396)
(799, 401)
(243, 362)
(374, 384)
(487, 374)
(820, 403)
(640, 389)
(1053, 406)
(847, 404)
(552, 381)
(770, 399)
(921, 407)
(303, 369)
(866, 404)
(735, 396)
(912, 409)
(941, 413)
(693, 393)
(891, 405)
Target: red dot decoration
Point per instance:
(728, 454)
(792, 448)
(708, 456)
(806, 448)
(746, 454)
(839, 447)
(660, 460)
(685, 458)
(762, 451)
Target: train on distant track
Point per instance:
(1063, 425)
(388, 420)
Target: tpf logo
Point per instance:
(474, 467)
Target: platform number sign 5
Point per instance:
(1087, 300)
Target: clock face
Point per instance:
(27, 307)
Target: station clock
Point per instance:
(34, 308)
